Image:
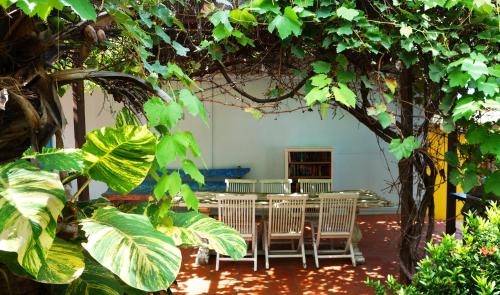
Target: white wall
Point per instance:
(234, 138)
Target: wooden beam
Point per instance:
(79, 127)
(451, 203)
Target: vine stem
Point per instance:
(71, 178)
(78, 193)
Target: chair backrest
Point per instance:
(275, 186)
(308, 186)
(237, 211)
(286, 215)
(240, 185)
(337, 212)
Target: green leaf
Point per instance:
(95, 280)
(458, 78)
(474, 68)
(51, 159)
(221, 17)
(263, 6)
(347, 13)
(161, 33)
(129, 246)
(488, 87)
(436, 71)
(321, 67)
(286, 24)
(174, 183)
(220, 32)
(317, 95)
(402, 150)
(193, 104)
(40, 8)
(321, 80)
(344, 95)
(492, 183)
(63, 265)
(190, 168)
(466, 107)
(126, 117)
(192, 228)
(189, 197)
(452, 159)
(386, 119)
(30, 203)
(172, 146)
(179, 49)
(83, 8)
(243, 17)
(160, 113)
(323, 110)
(120, 157)
(469, 181)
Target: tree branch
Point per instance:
(69, 76)
(261, 100)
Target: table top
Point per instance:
(366, 199)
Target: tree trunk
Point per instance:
(405, 166)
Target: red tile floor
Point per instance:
(286, 276)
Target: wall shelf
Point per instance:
(308, 163)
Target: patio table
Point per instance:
(366, 199)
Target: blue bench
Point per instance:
(214, 181)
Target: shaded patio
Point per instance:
(286, 276)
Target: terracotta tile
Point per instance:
(286, 276)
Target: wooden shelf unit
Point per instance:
(308, 163)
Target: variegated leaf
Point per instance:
(51, 159)
(191, 228)
(30, 202)
(120, 157)
(129, 246)
(63, 265)
(126, 117)
(95, 280)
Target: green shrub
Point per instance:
(471, 266)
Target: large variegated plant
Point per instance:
(136, 252)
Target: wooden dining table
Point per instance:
(366, 199)
(208, 201)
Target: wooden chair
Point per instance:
(315, 186)
(337, 214)
(238, 211)
(240, 185)
(275, 186)
(285, 222)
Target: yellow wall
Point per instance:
(438, 146)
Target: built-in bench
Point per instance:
(214, 181)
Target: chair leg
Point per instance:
(255, 248)
(315, 248)
(266, 248)
(303, 252)
(353, 258)
(217, 262)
